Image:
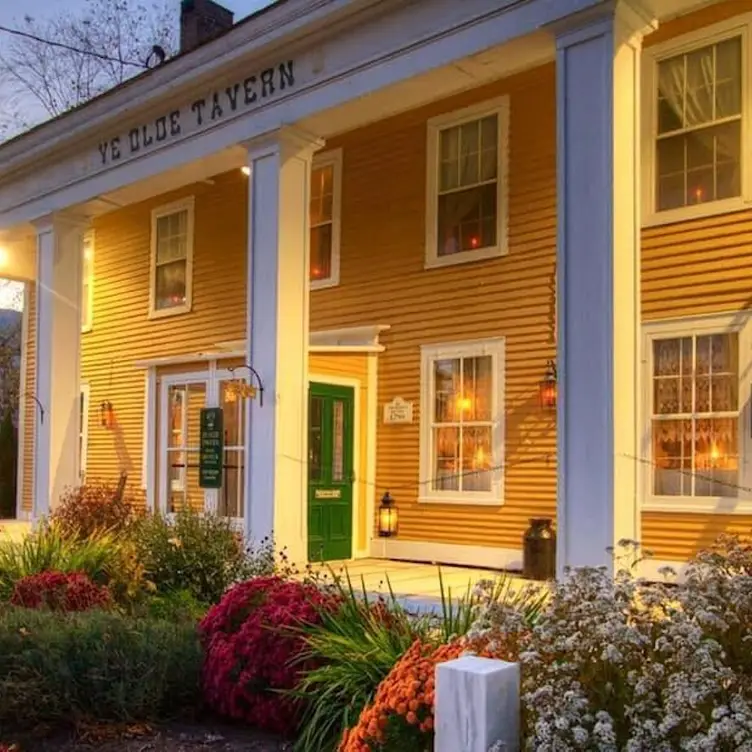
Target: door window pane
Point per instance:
(315, 439)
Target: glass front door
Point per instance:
(330, 472)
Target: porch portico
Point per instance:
(344, 70)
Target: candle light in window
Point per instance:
(464, 403)
(479, 459)
(474, 242)
(698, 194)
(315, 272)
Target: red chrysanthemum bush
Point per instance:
(251, 642)
(60, 591)
(401, 715)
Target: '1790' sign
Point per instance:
(211, 448)
(200, 114)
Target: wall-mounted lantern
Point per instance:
(387, 517)
(106, 415)
(238, 388)
(547, 387)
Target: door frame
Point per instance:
(354, 384)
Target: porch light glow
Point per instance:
(387, 517)
(547, 387)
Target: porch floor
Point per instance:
(416, 585)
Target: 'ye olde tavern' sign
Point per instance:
(200, 114)
(211, 448)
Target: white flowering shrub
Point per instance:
(618, 664)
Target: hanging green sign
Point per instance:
(211, 448)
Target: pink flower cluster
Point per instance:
(251, 652)
(60, 591)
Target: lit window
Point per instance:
(87, 284)
(695, 415)
(326, 188)
(462, 422)
(698, 149)
(467, 190)
(172, 258)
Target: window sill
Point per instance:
(700, 211)
(493, 500)
(323, 284)
(464, 257)
(685, 505)
(164, 313)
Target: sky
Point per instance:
(11, 14)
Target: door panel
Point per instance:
(330, 476)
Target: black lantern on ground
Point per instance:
(387, 517)
(547, 387)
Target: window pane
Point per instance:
(230, 503)
(477, 388)
(716, 457)
(196, 402)
(338, 441)
(176, 397)
(698, 98)
(233, 408)
(467, 220)
(170, 285)
(448, 400)
(672, 456)
(315, 439)
(671, 94)
(728, 83)
(322, 192)
(477, 455)
(446, 449)
(321, 252)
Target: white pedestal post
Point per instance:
(60, 242)
(477, 705)
(597, 102)
(278, 338)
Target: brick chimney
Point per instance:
(200, 21)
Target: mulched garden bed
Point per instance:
(213, 737)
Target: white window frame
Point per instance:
(84, 431)
(332, 157)
(741, 324)
(470, 349)
(499, 107)
(652, 56)
(185, 204)
(89, 243)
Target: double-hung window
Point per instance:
(696, 408)
(462, 422)
(171, 258)
(87, 283)
(697, 113)
(467, 191)
(325, 203)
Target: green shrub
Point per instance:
(175, 606)
(48, 550)
(105, 666)
(200, 553)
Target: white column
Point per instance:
(58, 345)
(597, 101)
(278, 332)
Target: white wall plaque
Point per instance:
(398, 411)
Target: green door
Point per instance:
(330, 472)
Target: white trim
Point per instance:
(499, 107)
(447, 553)
(187, 359)
(84, 431)
(89, 246)
(349, 335)
(22, 404)
(188, 205)
(148, 464)
(355, 384)
(372, 396)
(346, 348)
(332, 157)
(708, 35)
(682, 327)
(496, 347)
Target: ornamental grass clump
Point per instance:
(616, 663)
(251, 644)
